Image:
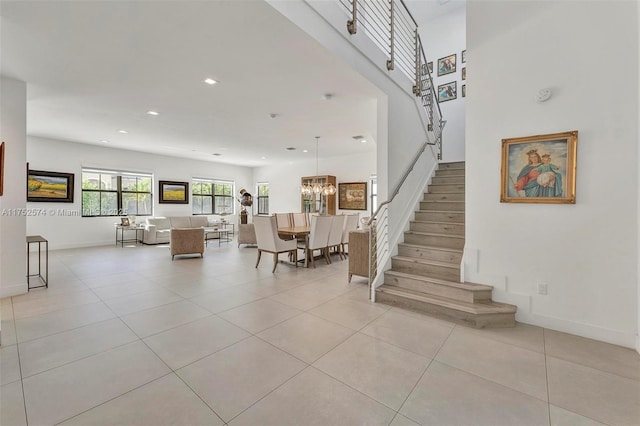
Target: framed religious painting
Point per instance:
(539, 169)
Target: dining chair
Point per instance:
(283, 220)
(268, 240)
(350, 225)
(335, 234)
(318, 237)
(300, 219)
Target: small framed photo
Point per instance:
(1, 168)
(447, 91)
(124, 221)
(426, 68)
(352, 196)
(464, 90)
(49, 187)
(463, 55)
(539, 169)
(464, 73)
(173, 192)
(447, 65)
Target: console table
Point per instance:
(32, 239)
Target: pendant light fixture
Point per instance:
(315, 186)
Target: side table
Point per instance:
(32, 239)
(122, 230)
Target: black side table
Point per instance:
(32, 239)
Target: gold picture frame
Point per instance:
(539, 169)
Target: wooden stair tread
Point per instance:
(462, 286)
(478, 308)
(433, 234)
(440, 211)
(442, 201)
(418, 246)
(443, 184)
(427, 262)
(437, 222)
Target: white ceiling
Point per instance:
(424, 11)
(95, 67)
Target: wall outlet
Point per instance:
(542, 289)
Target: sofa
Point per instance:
(157, 230)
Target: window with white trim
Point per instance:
(212, 196)
(263, 198)
(116, 193)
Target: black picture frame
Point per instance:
(463, 56)
(448, 91)
(49, 187)
(447, 65)
(173, 192)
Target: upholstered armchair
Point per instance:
(247, 234)
(268, 240)
(187, 241)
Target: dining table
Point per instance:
(298, 232)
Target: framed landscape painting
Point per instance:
(49, 187)
(539, 169)
(174, 192)
(352, 196)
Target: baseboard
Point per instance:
(13, 290)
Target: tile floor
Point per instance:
(125, 336)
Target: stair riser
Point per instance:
(437, 228)
(430, 254)
(459, 317)
(449, 172)
(456, 165)
(440, 216)
(431, 271)
(435, 189)
(442, 206)
(436, 196)
(437, 289)
(435, 241)
(447, 179)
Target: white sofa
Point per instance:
(157, 230)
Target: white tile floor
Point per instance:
(125, 336)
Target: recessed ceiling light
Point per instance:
(264, 158)
(210, 81)
(305, 150)
(153, 113)
(104, 141)
(363, 141)
(123, 131)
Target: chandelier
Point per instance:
(316, 187)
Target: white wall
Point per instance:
(284, 180)
(75, 231)
(13, 131)
(444, 36)
(401, 129)
(586, 253)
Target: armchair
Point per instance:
(187, 241)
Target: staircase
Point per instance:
(425, 275)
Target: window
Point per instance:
(373, 179)
(113, 193)
(263, 198)
(212, 197)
